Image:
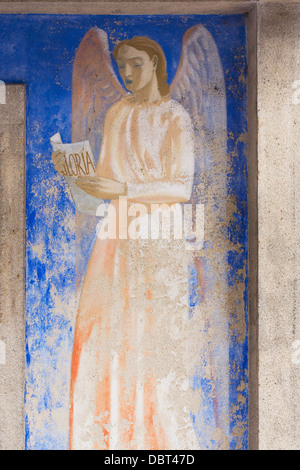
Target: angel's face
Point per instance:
(136, 68)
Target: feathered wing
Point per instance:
(95, 88)
(199, 86)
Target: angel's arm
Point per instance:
(101, 188)
(180, 162)
(178, 187)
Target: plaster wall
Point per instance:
(12, 225)
(278, 224)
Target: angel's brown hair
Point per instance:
(152, 48)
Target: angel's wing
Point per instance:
(95, 88)
(199, 86)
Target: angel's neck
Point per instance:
(149, 94)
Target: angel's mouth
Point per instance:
(128, 82)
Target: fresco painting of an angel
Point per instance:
(137, 347)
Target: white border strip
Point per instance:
(2, 92)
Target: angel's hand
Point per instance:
(102, 188)
(58, 159)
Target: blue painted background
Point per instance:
(39, 50)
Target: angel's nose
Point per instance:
(128, 70)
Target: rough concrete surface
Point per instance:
(129, 7)
(12, 190)
(278, 205)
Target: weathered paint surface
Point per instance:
(40, 50)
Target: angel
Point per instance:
(135, 336)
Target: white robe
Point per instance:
(131, 365)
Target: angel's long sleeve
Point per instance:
(151, 148)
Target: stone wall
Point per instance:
(12, 229)
(278, 227)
